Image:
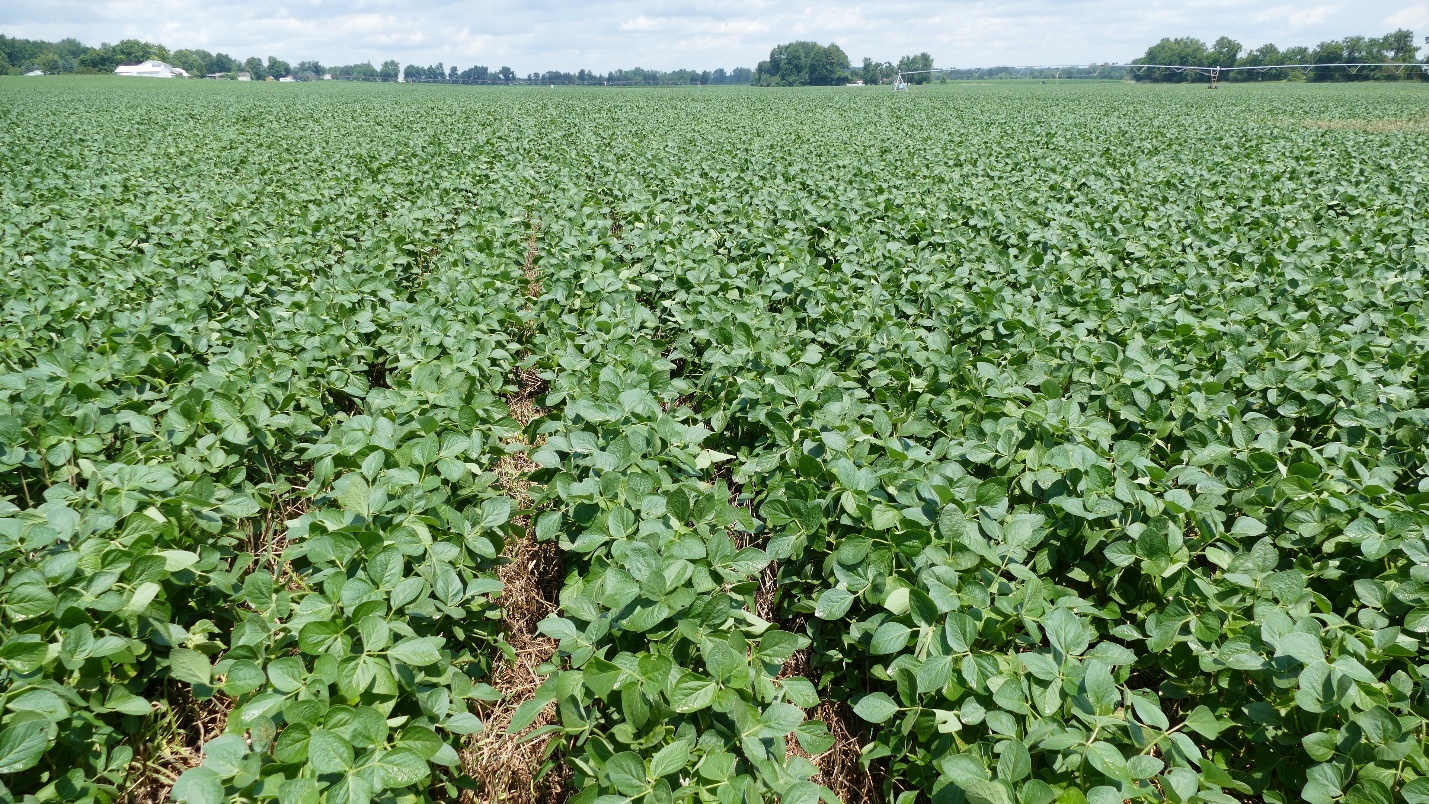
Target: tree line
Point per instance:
(1397, 51)
(799, 63)
(886, 72)
(810, 64)
(803, 64)
(72, 56)
(439, 73)
(794, 64)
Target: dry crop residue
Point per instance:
(1381, 126)
(839, 768)
(505, 767)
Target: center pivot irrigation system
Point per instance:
(900, 83)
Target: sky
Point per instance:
(567, 35)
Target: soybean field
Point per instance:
(999, 442)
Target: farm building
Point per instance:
(35, 72)
(153, 68)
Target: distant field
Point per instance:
(1015, 442)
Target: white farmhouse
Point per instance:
(153, 68)
(35, 72)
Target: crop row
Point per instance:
(1031, 460)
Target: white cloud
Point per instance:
(665, 34)
(1309, 17)
(1415, 17)
(700, 25)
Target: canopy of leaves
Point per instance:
(920, 65)
(1398, 48)
(799, 64)
(1072, 459)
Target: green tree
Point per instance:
(129, 51)
(64, 56)
(309, 71)
(1361, 50)
(919, 64)
(829, 67)
(803, 64)
(1395, 48)
(254, 66)
(197, 62)
(223, 63)
(49, 63)
(1399, 47)
(70, 49)
(133, 51)
(1267, 55)
(390, 70)
(506, 73)
(362, 70)
(876, 72)
(1185, 50)
(102, 60)
(190, 61)
(1295, 55)
(1328, 53)
(1224, 52)
(788, 65)
(277, 68)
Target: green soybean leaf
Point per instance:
(833, 604)
(1015, 764)
(199, 786)
(329, 752)
(889, 638)
(1202, 721)
(190, 666)
(627, 773)
(417, 651)
(670, 759)
(400, 767)
(692, 693)
(22, 744)
(875, 708)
